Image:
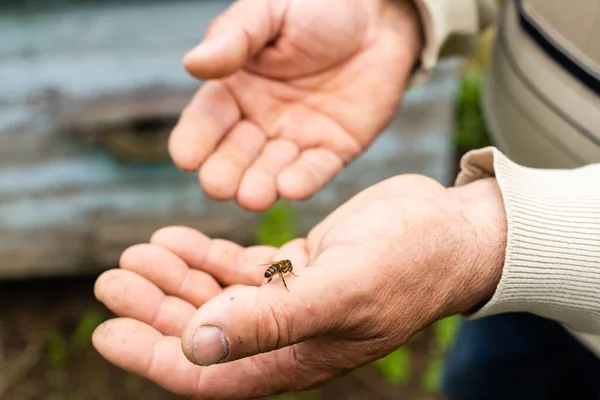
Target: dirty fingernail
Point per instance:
(210, 345)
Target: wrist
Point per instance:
(416, 31)
(408, 26)
(484, 228)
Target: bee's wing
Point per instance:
(270, 263)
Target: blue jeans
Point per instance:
(519, 357)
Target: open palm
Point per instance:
(388, 262)
(295, 90)
(279, 340)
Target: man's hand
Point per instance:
(392, 260)
(295, 90)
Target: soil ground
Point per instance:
(36, 364)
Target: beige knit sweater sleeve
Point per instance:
(552, 264)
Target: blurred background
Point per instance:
(89, 91)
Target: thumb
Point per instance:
(248, 320)
(244, 29)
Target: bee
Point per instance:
(279, 267)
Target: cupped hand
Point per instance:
(389, 262)
(294, 91)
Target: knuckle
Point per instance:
(213, 26)
(130, 253)
(277, 325)
(275, 377)
(306, 372)
(273, 331)
(310, 371)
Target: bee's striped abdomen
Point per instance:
(272, 270)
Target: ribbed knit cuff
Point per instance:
(552, 265)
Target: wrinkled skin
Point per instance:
(392, 260)
(296, 90)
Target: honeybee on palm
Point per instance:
(279, 267)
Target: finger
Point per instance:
(127, 294)
(224, 260)
(258, 189)
(309, 173)
(140, 349)
(233, 264)
(211, 113)
(243, 30)
(170, 273)
(221, 174)
(249, 321)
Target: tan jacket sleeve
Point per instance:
(450, 27)
(552, 264)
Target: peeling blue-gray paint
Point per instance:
(75, 210)
(101, 49)
(14, 116)
(83, 172)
